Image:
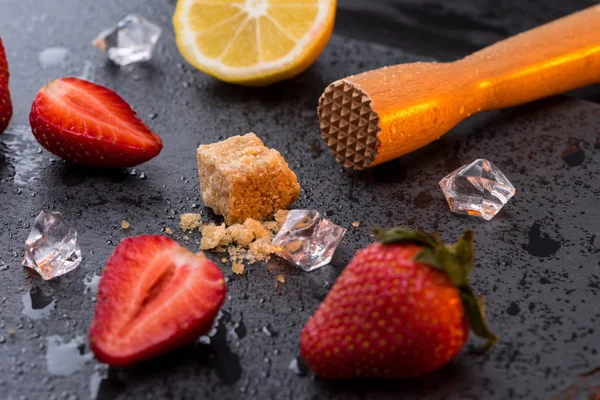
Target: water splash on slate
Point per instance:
(64, 358)
(22, 153)
(573, 156)
(105, 384)
(540, 244)
(53, 56)
(227, 363)
(37, 304)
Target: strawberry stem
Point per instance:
(457, 262)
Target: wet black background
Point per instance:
(538, 260)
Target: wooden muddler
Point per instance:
(376, 116)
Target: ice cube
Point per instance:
(307, 239)
(479, 189)
(131, 41)
(51, 248)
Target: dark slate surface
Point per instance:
(538, 261)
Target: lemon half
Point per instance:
(253, 42)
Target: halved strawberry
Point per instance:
(5, 103)
(90, 125)
(154, 296)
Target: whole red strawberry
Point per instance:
(90, 125)
(5, 103)
(154, 296)
(401, 308)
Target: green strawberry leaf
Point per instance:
(465, 251)
(452, 267)
(429, 256)
(398, 235)
(476, 316)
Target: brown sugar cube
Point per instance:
(241, 178)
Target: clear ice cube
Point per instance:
(51, 248)
(307, 239)
(131, 41)
(479, 189)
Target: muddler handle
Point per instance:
(379, 115)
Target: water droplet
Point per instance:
(298, 367)
(204, 339)
(91, 282)
(268, 331)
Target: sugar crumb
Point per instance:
(271, 226)
(168, 230)
(280, 216)
(211, 236)
(190, 221)
(125, 224)
(241, 234)
(237, 268)
(247, 243)
(260, 249)
(257, 229)
(226, 239)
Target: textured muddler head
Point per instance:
(349, 125)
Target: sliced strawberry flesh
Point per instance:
(6, 109)
(153, 296)
(90, 110)
(90, 125)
